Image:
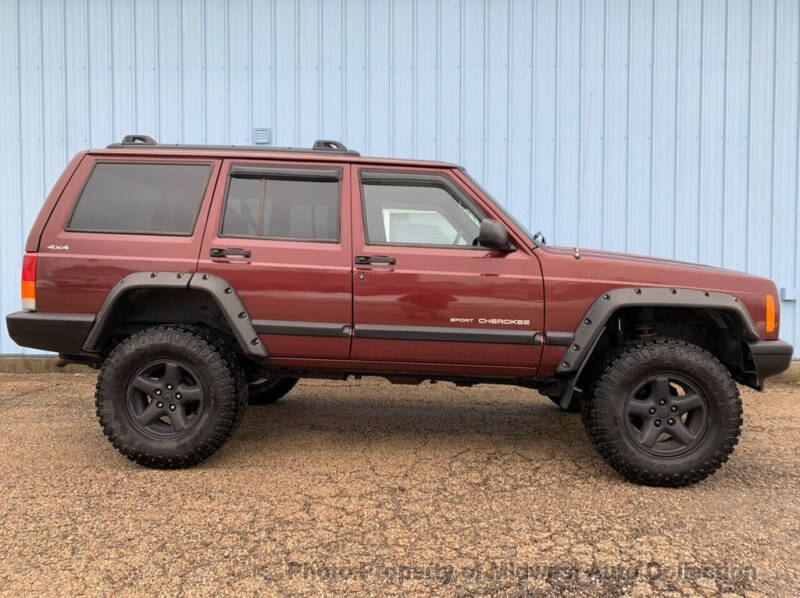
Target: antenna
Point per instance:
(577, 253)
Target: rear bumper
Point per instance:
(771, 357)
(59, 333)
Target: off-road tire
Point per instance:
(606, 415)
(215, 367)
(266, 392)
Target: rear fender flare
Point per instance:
(226, 298)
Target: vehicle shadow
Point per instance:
(380, 418)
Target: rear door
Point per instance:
(422, 292)
(277, 234)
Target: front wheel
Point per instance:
(664, 412)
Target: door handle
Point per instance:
(375, 259)
(225, 252)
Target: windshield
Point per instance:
(489, 196)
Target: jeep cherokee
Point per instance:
(200, 278)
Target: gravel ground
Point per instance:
(368, 488)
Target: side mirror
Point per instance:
(494, 235)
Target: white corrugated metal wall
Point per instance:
(683, 114)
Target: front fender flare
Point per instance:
(596, 317)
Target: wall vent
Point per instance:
(262, 136)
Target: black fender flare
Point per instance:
(595, 320)
(223, 293)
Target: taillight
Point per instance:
(29, 282)
(770, 315)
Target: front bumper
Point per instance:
(771, 357)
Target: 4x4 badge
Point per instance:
(52, 247)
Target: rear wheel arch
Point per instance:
(143, 299)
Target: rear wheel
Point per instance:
(169, 397)
(266, 391)
(664, 413)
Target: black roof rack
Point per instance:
(321, 145)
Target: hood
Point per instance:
(581, 281)
(631, 257)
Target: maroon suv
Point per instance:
(201, 278)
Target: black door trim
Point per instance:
(447, 333)
(558, 338)
(293, 328)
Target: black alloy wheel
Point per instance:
(666, 415)
(165, 398)
(170, 396)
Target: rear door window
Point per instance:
(142, 198)
(296, 204)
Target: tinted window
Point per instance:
(141, 198)
(282, 209)
(413, 214)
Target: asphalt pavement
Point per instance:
(365, 488)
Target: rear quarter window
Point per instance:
(150, 199)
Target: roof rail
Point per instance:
(138, 139)
(329, 145)
(321, 145)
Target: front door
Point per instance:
(423, 293)
(277, 234)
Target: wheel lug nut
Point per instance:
(158, 392)
(652, 410)
(178, 396)
(657, 423)
(169, 386)
(159, 404)
(660, 402)
(674, 408)
(671, 421)
(172, 407)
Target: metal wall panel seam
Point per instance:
(555, 121)
(652, 117)
(66, 75)
(603, 133)
(367, 75)
(485, 89)
(700, 126)
(414, 82)
(628, 129)
(343, 41)
(438, 68)
(43, 140)
(392, 79)
(531, 195)
(796, 335)
(675, 135)
(772, 144)
(21, 198)
(749, 132)
(509, 77)
(724, 136)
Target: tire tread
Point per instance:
(628, 462)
